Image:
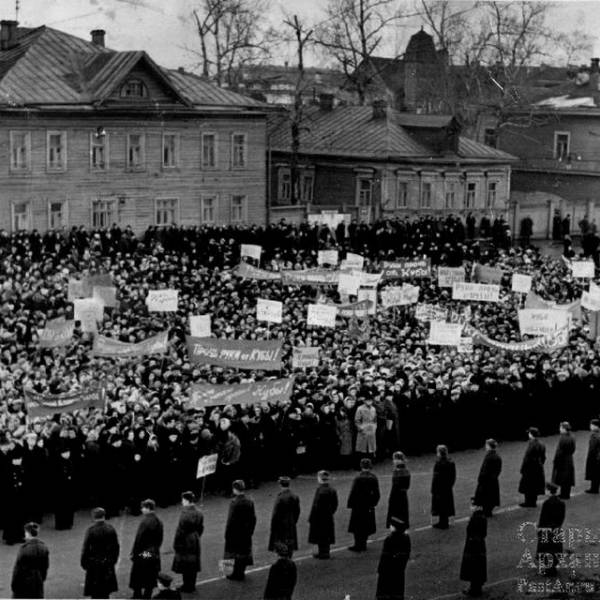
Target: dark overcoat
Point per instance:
(533, 479)
(187, 540)
(145, 553)
(286, 512)
(241, 522)
(392, 564)
(487, 492)
(442, 497)
(30, 570)
(563, 469)
(398, 500)
(552, 516)
(98, 559)
(592, 461)
(281, 580)
(321, 522)
(474, 561)
(362, 500)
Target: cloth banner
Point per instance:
(310, 277)
(106, 295)
(44, 405)
(162, 300)
(547, 344)
(251, 250)
(200, 325)
(368, 295)
(349, 283)
(304, 357)
(399, 295)
(542, 321)
(321, 315)
(478, 292)
(483, 274)
(207, 394)
(584, 269)
(246, 271)
(430, 312)
(407, 269)
(521, 283)
(353, 309)
(109, 347)
(448, 275)
(269, 310)
(207, 465)
(241, 354)
(444, 334)
(57, 332)
(327, 257)
(353, 262)
(369, 279)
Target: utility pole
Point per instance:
(16, 10)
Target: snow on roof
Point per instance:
(567, 102)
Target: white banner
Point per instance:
(521, 283)
(430, 312)
(368, 294)
(321, 315)
(305, 357)
(583, 268)
(478, 292)
(349, 283)
(251, 250)
(269, 310)
(87, 308)
(448, 275)
(369, 279)
(162, 300)
(411, 293)
(542, 321)
(444, 334)
(392, 296)
(352, 262)
(590, 301)
(594, 289)
(207, 465)
(200, 325)
(465, 346)
(327, 257)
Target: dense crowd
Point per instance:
(147, 441)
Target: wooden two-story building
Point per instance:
(90, 136)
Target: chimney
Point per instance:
(98, 37)
(8, 34)
(326, 102)
(379, 109)
(595, 65)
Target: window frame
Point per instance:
(490, 132)
(28, 214)
(359, 190)
(142, 166)
(176, 210)
(304, 176)
(215, 164)
(27, 167)
(422, 203)
(63, 135)
(215, 208)
(176, 151)
(115, 218)
(401, 184)
(467, 203)
(234, 166)
(281, 173)
(143, 88)
(244, 209)
(488, 190)
(557, 134)
(105, 145)
(450, 188)
(64, 214)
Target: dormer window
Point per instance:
(134, 88)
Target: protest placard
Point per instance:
(584, 269)
(542, 321)
(269, 310)
(465, 345)
(247, 271)
(354, 309)
(411, 293)
(430, 312)
(106, 295)
(208, 394)
(353, 262)
(590, 301)
(444, 334)
(57, 332)
(105, 346)
(200, 325)
(407, 269)
(327, 257)
(310, 277)
(251, 250)
(85, 309)
(521, 283)
(162, 300)
(321, 315)
(485, 274)
(477, 292)
(349, 283)
(207, 465)
(448, 275)
(369, 294)
(75, 290)
(594, 289)
(305, 357)
(241, 354)
(392, 296)
(369, 279)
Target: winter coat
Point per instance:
(345, 436)
(98, 559)
(474, 561)
(398, 500)
(365, 420)
(442, 497)
(187, 540)
(321, 519)
(286, 512)
(592, 461)
(145, 553)
(533, 480)
(241, 522)
(552, 516)
(487, 493)
(392, 564)
(563, 469)
(281, 580)
(30, 570)
(362, 500)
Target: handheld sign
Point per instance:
(162, 301)
(207, 465)
(269, 310)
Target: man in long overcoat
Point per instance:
(286, 512)
(14, 498)
(241, 522)
(145, 554)
(398, 499)
(442, 484)
(592, 461)
(31, 567)
(321, 519)
(533, 483)
(487, 493)
(473, 567)
(99, 556)
(365, 420)
(563, 469)
(395, 554)
(362, 500)
(552, 517)
(282, 576)
(187, 542)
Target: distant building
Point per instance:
(90, 136)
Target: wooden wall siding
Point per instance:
(187, 182)
(157, 91)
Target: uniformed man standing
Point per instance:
(533, 482)
(473, 567)
(31, 567)
(398, 499)
(550, 546)
(592, 461)
(187, 542)
(392, 563)
(286, 512)
(364, 497)
(321, 519)
(563, 469)
(487, 493)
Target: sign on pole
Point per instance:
(321, 315)
(200, 325)
(521, 283)
(269, 310)
(162, 300)
(251, 250)
(207, 465)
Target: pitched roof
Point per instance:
(50, 67)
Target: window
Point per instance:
(491, 194)
(364, 191)
(238, 209)
(136, 150)
(98, 152)
(21, 216)
(490, 137)
(284, 185)
(562, 141)
(166, 211)
(209, 150)
(134, 88)
(238, 150)
(104, 213)
(426, 194)
(57, 215)
(20, 151)
(401, 194)
(306, 186)
(170, 143)
(208, 209)
(470, 197)
(56, 143)
(450, 195)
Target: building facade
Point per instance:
(89, 136)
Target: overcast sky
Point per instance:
(165, 29)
